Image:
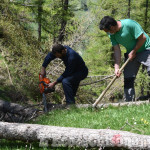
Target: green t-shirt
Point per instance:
(128, 34)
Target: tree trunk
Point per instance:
(106, 105)
(12, 112)
(15, 108)
(40, 10)
(67, 136)
(63, 21)
(142, 85)
(146, 16)
(21, 110)
(129, 7)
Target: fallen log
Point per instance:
(105, 105)
(55, 136)
(14, 108)
(99, 106)
(12, 112)
(24, 110)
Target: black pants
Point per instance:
(131, 70)
(71, 84)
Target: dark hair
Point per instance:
(107, 22)
(57, 48)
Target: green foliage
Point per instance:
(99, 58)
(24, 54)
(20, 51)
(142, 82)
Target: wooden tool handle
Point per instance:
(109, 85)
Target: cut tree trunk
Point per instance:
(14, 108)
(99, 106)
(25, 110)
(67, 136)
(11, 112)
(105, 105)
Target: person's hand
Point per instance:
(117, 72)
(52, 85)
(132, 55)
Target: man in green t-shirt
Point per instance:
(130, 34)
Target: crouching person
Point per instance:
(75, 70)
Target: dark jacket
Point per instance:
(73, 62)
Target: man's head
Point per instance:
(59, 50)
(108, 24)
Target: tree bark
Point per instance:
(129, 7)
(67, 136)
(15, 108)
(146, 15)
(65, 4)
(105, 105)
(40, 11)
(21, 110)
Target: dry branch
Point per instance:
(92, 82)
(67, 136)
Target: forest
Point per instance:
(29, 28)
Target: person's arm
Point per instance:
(43, 71)
(117, 57)
(47, 60)
(140, 42)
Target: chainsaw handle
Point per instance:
(41, 76)
(44, 83)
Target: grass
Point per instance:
(138, 118)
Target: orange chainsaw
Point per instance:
(44, 89)
(43, 85)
